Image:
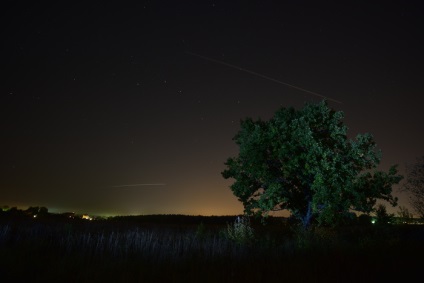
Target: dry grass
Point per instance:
(105, 251)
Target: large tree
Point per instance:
(302, 161)
(415, 185)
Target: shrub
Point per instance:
(240, 231)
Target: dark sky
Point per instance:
(99, 97)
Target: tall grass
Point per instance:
(104, 251)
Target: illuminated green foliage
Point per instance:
(241, 231)
(302, 161)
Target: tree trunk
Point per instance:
(306, 219)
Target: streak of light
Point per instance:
(262, 76)
(137, 185)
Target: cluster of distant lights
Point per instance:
(84, 216)
(374, 221)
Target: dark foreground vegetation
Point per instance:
(204, 249)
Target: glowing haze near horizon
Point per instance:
(131, 109)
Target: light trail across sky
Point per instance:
(137, 185)
(262, 76)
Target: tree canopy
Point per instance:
(415, 185)
(302, 161)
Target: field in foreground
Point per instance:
(199, 249)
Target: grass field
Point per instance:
(199, 249)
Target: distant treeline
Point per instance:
(179, 219)
(190, 219)
(30, 211)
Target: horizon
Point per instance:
(283, 214)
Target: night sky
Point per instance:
(131, 108)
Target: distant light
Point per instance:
(86, 217)
(373, 221)
(35, 216)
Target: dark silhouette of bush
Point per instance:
(364, 220)
(382, 217)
